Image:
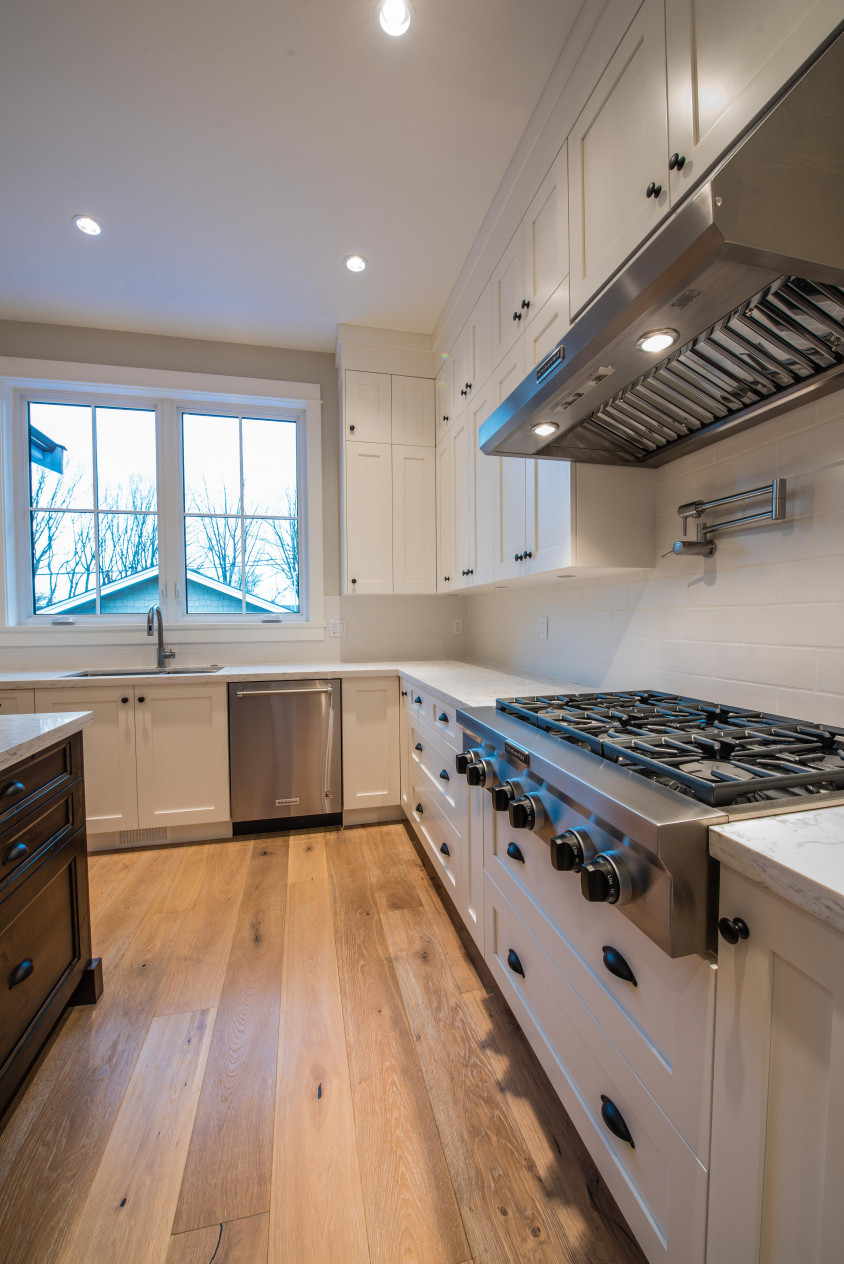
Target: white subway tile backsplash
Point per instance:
(818, 579)
(766, 665)
(746, 586)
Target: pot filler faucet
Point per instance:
(163, 654)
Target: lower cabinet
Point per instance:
(777, 1162)
(371, 765)
(156, 754)
(16, 701)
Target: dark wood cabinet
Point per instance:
(45, 929)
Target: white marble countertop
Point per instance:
(460, 683)
(24, 735)
(799, 856)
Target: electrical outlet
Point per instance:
(336, 627)
(543, 627)
(457, 627)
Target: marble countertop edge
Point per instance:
(27, 734)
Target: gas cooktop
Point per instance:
(717, 754)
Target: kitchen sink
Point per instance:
(146, 671)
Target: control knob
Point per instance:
(605, 879)
(503, 795)
(481, 773)
(571, 850)
(526, 812)
(465, 760)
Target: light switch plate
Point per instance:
(336, 627)
(457, 627)
(543, 627)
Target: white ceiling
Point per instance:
(236, 152)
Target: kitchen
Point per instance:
(506, 1069)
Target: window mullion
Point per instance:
(97, 602)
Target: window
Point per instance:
(93, 513)
(241, 524)
(206, 504)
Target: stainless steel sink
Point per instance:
(145, 671)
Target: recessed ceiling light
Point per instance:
(355, 263)
(86, 224)
(395, 16)
(657, 339)
(545, 428)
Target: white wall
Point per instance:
(760, 624)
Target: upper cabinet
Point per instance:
(508, 297)
(618, 157)
(368, 407)
(444, 397)
(414, 531)
(545, 229)
(413, 411)
(727, 61)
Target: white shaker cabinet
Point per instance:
(445, 517)
(369, 517)
(371, 765)
(487, 473)
(111, 791)
(507, 296)
(414, 528)
(367, 407)
(509, 523)
(726, 63)
(479, 343)
(444, 397)
(462, 492)
(777, 1163)
(547, 327)
(413, 411)
(546, 238)
(16, 701)
(618, 152)
(182, 754)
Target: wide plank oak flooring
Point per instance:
(294, 1061)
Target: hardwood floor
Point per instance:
(294, 1062)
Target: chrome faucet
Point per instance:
(163, 654)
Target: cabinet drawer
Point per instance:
(433, 765)
(25, 784)
(664, 1026)
(39, 944)
(417, 700)
(657, 1181)
(42, 828)
(443, 718)
(439, 836)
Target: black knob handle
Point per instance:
(518, 557)
(502, 795)
(12, 789)
(417, 701)
(653, 190)
(354, 581)
(142, 698)
(514, 963)
(21, 971)
(522, 815)
(617, 965)
(419, 808)
(676, 162)
(404, 693)
(515, 852)
(614, 1120)
(444, 776)
(442, 717)
(470, 572)
(595, 883)
(445, 416)
(17, 852)
(527, 553)
(525, 304)
(567, 852)
(462, 391)
(352, 428)
(124, 700)
(476, 775)
(468, 386)
(461, 762)
(733, 929)
(418, 746)
(445, 849)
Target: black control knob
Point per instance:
(604, 881)
(475, 775)
(733, 929)
(503, 795)
(522, 813)
(464, 761)
(571, 850)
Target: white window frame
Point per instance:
(171, 394)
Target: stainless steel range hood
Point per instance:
(749, 272)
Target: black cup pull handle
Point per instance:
(15, 853)
(445, 849)
(614, 1120)
(418, 746)
(514, 963)
(12, 789)
(514, 851)
(418, 702)
(618, 965)
(733, 929)
(444, 776)
(21, 972)
(443, 717)
(419, 808)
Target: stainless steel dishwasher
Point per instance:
(285, 754)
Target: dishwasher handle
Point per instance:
(267, 693)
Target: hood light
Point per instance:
(657, 340)
(395, 17)
(355, 263)
(544, 429)
(87, 224)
